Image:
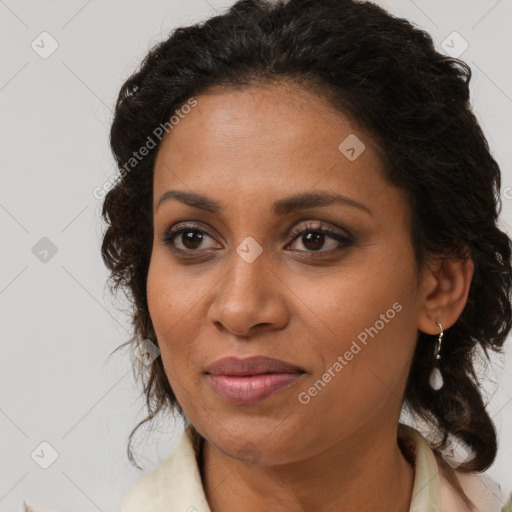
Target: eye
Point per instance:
(190, 237)
(313, 237)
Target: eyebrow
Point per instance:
(280, 207)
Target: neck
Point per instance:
(364, 472)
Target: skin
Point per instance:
(246, 149)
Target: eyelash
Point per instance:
(344, 241)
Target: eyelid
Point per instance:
(321, 227)
(182, 226)
(344, 239)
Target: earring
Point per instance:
(436, 379)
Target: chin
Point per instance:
(254, 441)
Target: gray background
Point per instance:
(58, 322)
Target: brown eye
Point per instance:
(314, 237)
(313, 241)
(189, 237)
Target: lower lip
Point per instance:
(250, 389)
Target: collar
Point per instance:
(426, 491)
(176, 483)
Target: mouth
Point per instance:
(251, 380)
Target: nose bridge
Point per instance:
(248, 263)
(246, 296)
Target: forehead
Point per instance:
(279, 117)
(265, 140)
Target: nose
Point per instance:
(250, 298)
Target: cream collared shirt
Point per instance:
(175, 485)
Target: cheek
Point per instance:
(176, 303)
(371, 324)
(168, 314)
(360, 380)
(362, 304)
(170, 298)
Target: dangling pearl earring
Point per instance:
(436, 379)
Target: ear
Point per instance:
(444, 292)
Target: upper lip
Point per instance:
(254, 365)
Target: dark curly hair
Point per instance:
(385, 74)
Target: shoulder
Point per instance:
(175, 484)
(439, 485)
(145, 488)
(484, 493)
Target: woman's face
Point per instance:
(252, 275)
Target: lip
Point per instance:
(254, 365)
(251, 380)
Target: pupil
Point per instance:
(192, 237)
(315, 239)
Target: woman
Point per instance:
(306, 223)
